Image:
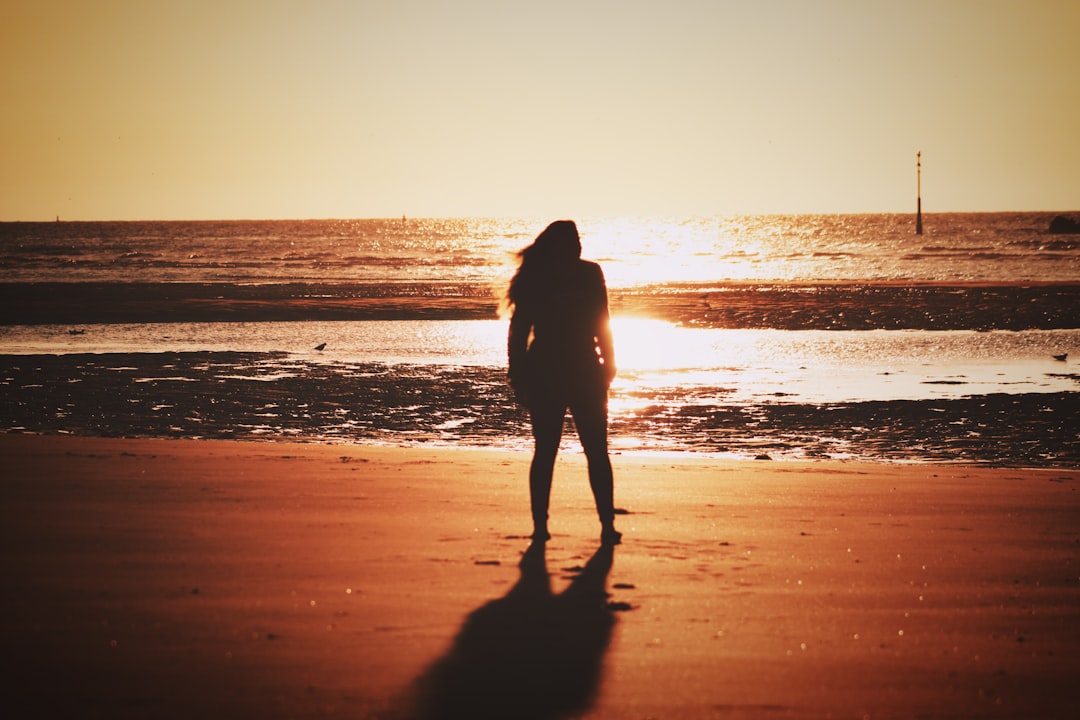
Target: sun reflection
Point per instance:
(657, 359)
(637, 251)
(645, 344)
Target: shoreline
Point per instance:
(690, 456)
(241, 579)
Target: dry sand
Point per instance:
(218, 579)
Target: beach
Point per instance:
(216, 578)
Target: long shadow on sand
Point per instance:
(531, 654)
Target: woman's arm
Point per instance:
(602, 330)
(517, 343)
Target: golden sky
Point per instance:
(177, 109)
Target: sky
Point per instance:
(223, 109)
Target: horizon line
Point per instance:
(598, 216)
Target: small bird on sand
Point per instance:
(1062, 357)
(320, 346)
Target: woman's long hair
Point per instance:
(558, 245)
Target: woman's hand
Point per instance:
(609, 373)
(520, 390)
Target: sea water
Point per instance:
(972, 247)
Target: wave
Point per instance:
(1056, 244)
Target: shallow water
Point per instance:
(655, 358)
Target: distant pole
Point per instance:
(918, 193)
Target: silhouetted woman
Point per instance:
(561, 358)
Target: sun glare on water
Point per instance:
(636, 252)
(653, 354)
(643, 344)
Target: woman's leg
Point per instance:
(547, 423)
(590, 418)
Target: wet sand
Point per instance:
(199, 395)
(787, 306)
(196, 578)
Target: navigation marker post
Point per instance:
(918, 193)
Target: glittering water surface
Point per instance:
(634, 251)
(654, 357)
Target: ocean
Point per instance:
(780, 337)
